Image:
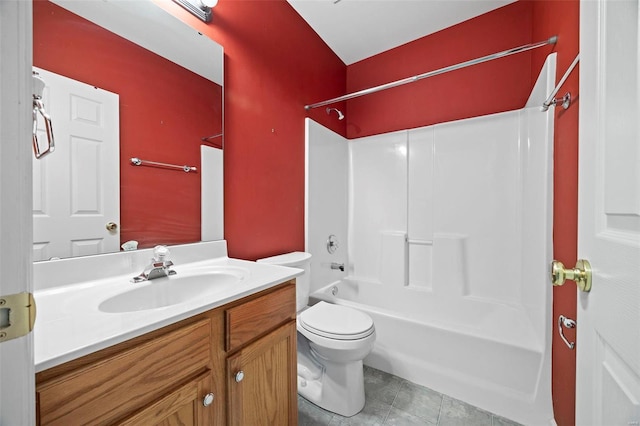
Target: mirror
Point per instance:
(160, 82)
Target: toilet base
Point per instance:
(336, 387)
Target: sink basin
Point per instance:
(173, 290)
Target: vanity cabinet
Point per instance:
(158, 376)
(260, 380)
(262, 375)
(186, 405)
(186, 373)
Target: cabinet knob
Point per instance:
(207, 400)
(239, 376)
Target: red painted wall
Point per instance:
(563, 18)
(274, 65)
(157, 206)
(491, 87)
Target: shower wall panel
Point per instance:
(420, 208)
(377, 200)
(327, 161)
(470, 197)
(477, 199)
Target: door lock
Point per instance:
(581, 274)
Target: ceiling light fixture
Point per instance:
(199, 8)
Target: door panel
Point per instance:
(17, 387)
(608, 341)
(77, 187)
(264, 393)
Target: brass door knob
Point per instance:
(581, 274)
(111, 226)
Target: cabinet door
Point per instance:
(184, 406)
(262, 380)
(112, 387)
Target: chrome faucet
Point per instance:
(339, 266)
(159, 267)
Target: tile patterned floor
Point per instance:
(391, 400)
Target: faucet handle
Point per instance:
(335, 265)
(160, 252)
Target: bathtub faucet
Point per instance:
(339, 266)
(159, 267)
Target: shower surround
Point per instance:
(445, 232)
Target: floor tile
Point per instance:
(393, 401)
(381, 385)
(311, 415)
(458, 413)
(501, 421)
(374, 413)
(418, 401)
(402, 418)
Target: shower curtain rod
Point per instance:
(524, 48)
(551, 100)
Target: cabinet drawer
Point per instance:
(114, 387)
(258, 316)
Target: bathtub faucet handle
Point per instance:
(335, 265)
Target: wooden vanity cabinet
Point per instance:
(262, 365)
(157, 378)
(163, 377)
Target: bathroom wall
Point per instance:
(274, 65)
(563, 18)
(495, 86)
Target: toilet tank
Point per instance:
(296, 259)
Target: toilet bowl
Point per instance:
(332, 342)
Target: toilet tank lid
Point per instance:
(287, 259)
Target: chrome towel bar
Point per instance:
(138, 162)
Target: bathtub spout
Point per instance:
(339, 266)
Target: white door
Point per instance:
(17, 389)
(608, 341)
(76, 189)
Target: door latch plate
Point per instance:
(17, 315)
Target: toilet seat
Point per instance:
(336, 322)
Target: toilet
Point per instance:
(332, 342)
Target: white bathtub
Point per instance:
(485, 354)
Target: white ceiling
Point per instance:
(357, 29)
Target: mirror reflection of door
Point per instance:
(76, 189)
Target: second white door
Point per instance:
(76, 189)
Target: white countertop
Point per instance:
(70, 325)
